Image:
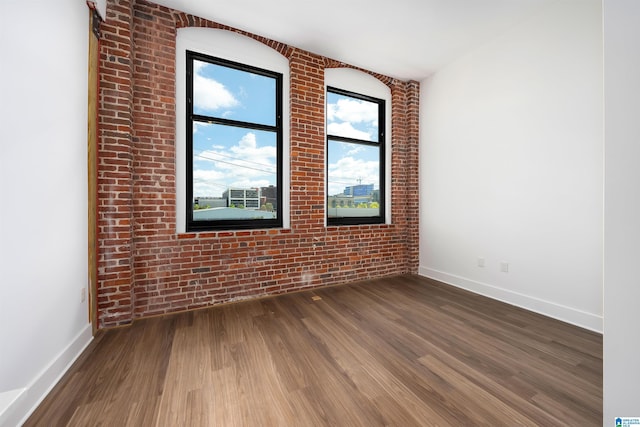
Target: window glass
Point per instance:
(353, 179)
(351, 117)
(355, 158)
(234, 151)
(224, 92)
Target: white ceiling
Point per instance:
(407, 39)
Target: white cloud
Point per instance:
(246, 183)
(204, 182)
(242, 165)
(198, 66)
(353, 111)
(209, 94)
(352, 118)
(347, 130)
(258, 160)
(248, 141)
(355, 149)
(349, 171)
(197, 126)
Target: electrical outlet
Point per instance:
(480, 262)
(83, 295)
(504, 267)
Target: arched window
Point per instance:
(358, 128)
(232, 118)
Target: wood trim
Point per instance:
(92, 167)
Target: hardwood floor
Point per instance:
(401, 351)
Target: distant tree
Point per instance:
(196, 207)
(374, 205)
(362, 205)
(241, 206)
(232, 205)
(269, 206)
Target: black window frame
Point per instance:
(380, 143)
(231, 224)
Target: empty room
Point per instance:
(411, 213)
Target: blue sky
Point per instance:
(226, 156)
(351, 164)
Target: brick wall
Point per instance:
(145, 268)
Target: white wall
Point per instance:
(621, 209)
(43, 155)
(101, 7)
(511, 166)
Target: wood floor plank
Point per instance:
(398, 351)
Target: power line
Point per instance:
(236, 158)
(270, 172)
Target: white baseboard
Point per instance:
(9, 400)
(17, 405)
(576, 317)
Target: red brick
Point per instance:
(145, 268)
